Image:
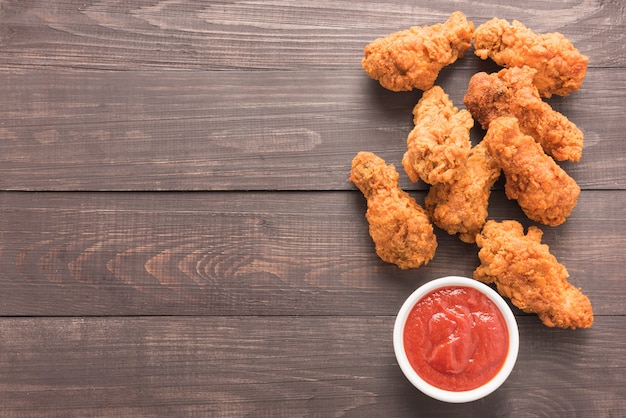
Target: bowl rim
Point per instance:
(433, 391)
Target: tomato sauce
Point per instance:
(456, 338)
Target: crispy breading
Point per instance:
(511, 92)
(412, 58)
(560, 67)
(544, 191)
(440, 141)
(524, 270)
(460, 206)
(398, 225)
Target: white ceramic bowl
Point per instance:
(433, 391)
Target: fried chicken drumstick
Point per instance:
(526, 272)
(511, 92)
(398, 225)
(440, 141)
(544, 191)
(560, 67)
(460, 206)
(412, 58)
(439, 151)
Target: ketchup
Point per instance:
(456, 338)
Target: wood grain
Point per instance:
(277, 35)
(238, 131)
(251, 254)
(178, 236)
(280, 366)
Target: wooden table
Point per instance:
(178, 236)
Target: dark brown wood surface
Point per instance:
(178, 236)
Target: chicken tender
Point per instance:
(511, 92)
(544, 191)
(560, 67)
(412, 58)
(440, 141)
(525, 271)
(398, 225)
(460, 206)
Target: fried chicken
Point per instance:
(511, 92)
(560, 67)
(412, 58)
(440, 141)
(460, 206)
(544, 191)
(398, 225)
(526, 272)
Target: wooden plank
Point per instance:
(283, 34)
(281, 366)
(271, 130)
(253, 254)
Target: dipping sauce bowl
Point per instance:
(456, 339)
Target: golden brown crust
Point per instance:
(526, 272)
(511, 92)
(412, 58)
(560, 67)
(440, 141)
(398, 225)
(460, 206)
(544, 191)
